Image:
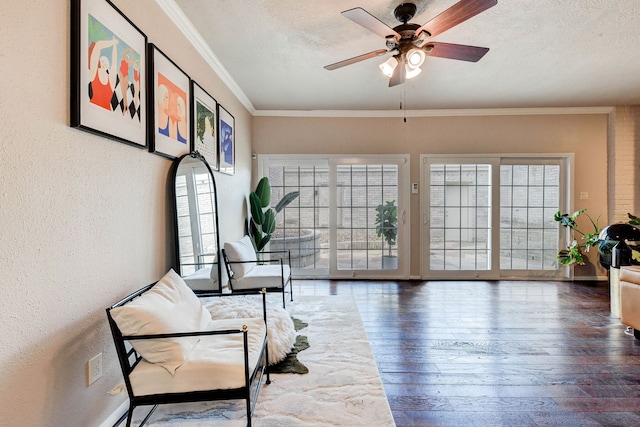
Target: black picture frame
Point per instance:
(108, 73)
(169, 101)
(204, 124)
(226, 141)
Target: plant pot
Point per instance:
(389, 262)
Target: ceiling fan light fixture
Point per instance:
(412, 72)
(415, 58)
(388, 66)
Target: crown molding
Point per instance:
(175, 13)
(436, 113)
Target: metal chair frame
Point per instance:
(129, 359)
(285, 281)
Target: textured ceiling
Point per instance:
(543, 53)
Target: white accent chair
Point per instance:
(171, 350)
(204, 279)
(249, 274)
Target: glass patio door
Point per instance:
(491, 217)
(350, 219)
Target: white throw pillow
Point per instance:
(241, 250)
(168, 307)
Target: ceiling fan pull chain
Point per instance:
(403, 104)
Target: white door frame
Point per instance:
(404, 220)
(566, 205)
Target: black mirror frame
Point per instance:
(173, 173)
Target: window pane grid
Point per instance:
(206, 212)
(529, 196)
(360, 190)
(185, 233)
(303, 226)
(460, 216)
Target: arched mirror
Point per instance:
(196, 223)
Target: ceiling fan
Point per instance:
(410, 43)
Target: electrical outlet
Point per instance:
(94, 368)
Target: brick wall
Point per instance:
(624, 163)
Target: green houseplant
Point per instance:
(262, 223)
(387, 227)
(600, 238)
(573, 254)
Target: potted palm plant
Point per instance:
(387, 227)
(262, 223)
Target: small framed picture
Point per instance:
(169, 100)
(226, 136)
(205, 125)
(108, 73)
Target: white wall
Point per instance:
(84, 220)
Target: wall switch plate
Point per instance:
(94, 368)
(584, 195)
(414, 188)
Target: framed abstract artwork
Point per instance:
(226, 137)
(204, 125)
(169, 113)
(108, 73)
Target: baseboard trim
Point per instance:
(590, 278)
(117, 414)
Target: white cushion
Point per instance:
(216, 362)
(241, 250)
(201, 280)
(263, 276)
(168, 307)
(205, 279)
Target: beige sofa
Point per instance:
(630, 297)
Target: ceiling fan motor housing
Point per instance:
(405, 12)
(407, 35)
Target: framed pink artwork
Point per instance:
(169, 106)
(108, 73)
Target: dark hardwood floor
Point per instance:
(507, 353)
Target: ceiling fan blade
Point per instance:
(455, 51)
(399, 73)
(456, 14)
(353, 60)
(370, 22)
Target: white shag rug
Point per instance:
(280, 330)
(342, 388)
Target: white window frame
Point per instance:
(496, 160)
(404, 221)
